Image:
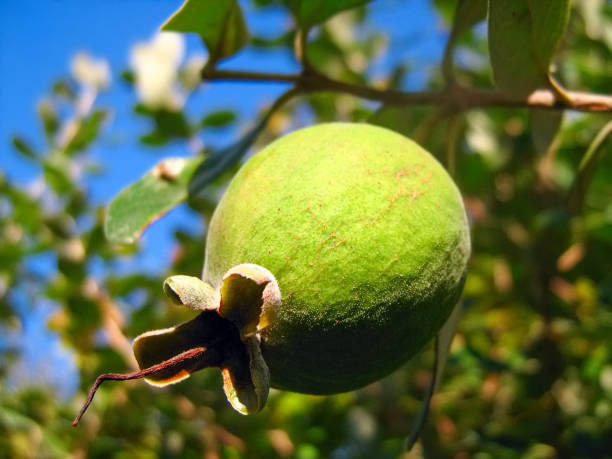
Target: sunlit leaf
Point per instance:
(55, 169)
(141, 203)
(312, 12)
(170, 182)
(87, 131)
(220, 23)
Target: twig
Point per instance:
(454, 96)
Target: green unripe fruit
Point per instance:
(335, 254)
(368, 239)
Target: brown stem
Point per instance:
(177, 359)
(454, 96)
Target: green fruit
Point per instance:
(335, 254)
(368, 239)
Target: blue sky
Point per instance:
(38, 38)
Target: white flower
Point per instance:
(90, 72)
(155, 66)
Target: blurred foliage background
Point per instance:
(530, 370)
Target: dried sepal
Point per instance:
(250, 297)
(246, 378)
(229, 326)
(225, 334)
(191, 292)
(206, 330)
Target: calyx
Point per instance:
(225, 334)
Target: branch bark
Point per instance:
(454, 96)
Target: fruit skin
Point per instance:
(368, 239)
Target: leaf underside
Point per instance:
(523, 37)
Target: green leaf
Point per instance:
(220, 23)
(65, 89)
(515, 68)
(87, 131)
(168, 125)
(587, 168)
(143, 202)
(443, 342)
(49, 119)
(442, 347)
(523, 35)
(128, 77)
(171, 181)
(219, 118)
(138, 205)
(544, 127)
(22, 146)
(308, 13)
(222, 160)
(548, 21)
(55, 171)
(467, 14)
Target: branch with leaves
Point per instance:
(523, 35)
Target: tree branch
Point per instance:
(454, 96)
